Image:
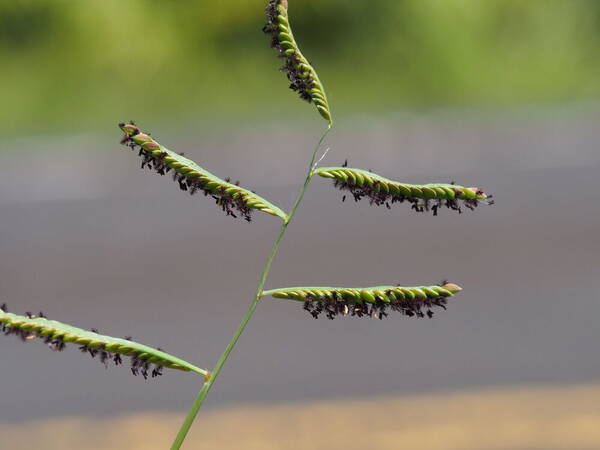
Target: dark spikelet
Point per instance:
(157, 163)
(378, 310)
(104, 356)
(56, 344)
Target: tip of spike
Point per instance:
(129, 128)
(479, 192)
(474, 193)
(454, 288)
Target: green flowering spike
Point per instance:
(193, 178)
(382, 191)
(300, 73)
(144, 360)
(373, 302)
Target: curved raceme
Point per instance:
(192, 178)
(300, 73)
(145, 361)
(373, 302)
(382, 191)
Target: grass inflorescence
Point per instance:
(302, 76)
(230, 197)
(374, 302)
(145, 361)
(381, 191)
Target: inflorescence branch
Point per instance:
(374, 302)
(382, 191)
(145, 361)
(192, 178)
(302, 76)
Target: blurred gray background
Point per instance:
(90, 239)
(501, 94)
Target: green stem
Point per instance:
(189, 420)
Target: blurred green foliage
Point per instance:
(67, 63)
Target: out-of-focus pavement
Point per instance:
(92, 240)
(512, 419)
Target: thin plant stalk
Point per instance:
(193, 412)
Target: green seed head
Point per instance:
(302, 76)
(231, 198)
(374, 302)
(383, 191)
(145, 360)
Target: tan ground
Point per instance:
(541, 418)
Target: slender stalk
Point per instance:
(189, 420)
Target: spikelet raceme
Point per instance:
(374, 302)
(145, 361)
(192, 178)
(382, 191)
(301, 74)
